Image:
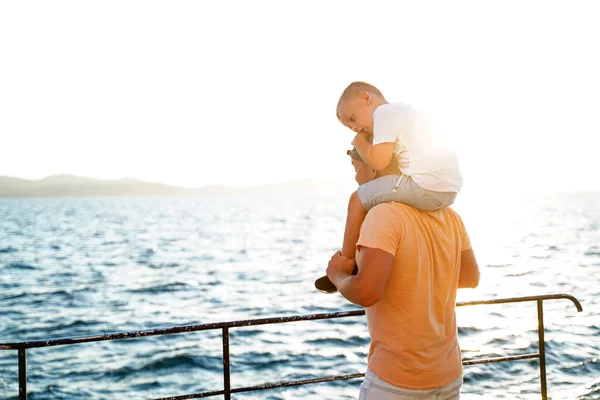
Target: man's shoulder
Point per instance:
(400, 209)
(391, 210)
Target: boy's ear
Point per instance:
(366, 97)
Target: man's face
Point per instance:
(357, 114)
(363, 173)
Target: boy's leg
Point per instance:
(384, 189)
(367, 196)
(402, 189)
(354, 219)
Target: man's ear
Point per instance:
(373, 173)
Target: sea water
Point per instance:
(86, 266)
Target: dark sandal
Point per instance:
(324, 285)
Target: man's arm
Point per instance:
(368, 286)
(378, 156)
(469, 270)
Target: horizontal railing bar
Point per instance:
(266, 386)
(297, 383)
(194, 396)
(501, 359)
(522, 299)
(178, 329)
(336, 378)
(252, 322)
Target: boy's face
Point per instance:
(357, 114)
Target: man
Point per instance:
(410, 264)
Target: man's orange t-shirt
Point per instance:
(414, 342)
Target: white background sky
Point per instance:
(244, 93)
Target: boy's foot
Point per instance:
(324, 285)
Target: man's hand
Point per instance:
(368, 286)
(339, 267)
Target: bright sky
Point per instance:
(244, 93)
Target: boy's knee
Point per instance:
(355, 202)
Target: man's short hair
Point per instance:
(354, 90)
(354, 154)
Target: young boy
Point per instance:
(422, 170)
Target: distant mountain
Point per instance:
(70, 185)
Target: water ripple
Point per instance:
(86, 266)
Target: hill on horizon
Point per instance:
(72, 185)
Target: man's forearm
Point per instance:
(347, 286)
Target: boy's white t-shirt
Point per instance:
(422, 154)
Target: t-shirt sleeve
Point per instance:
(380, 230)
(466, 241)
(388, 120)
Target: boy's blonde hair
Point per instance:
(354, 90)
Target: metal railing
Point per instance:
(22, 347)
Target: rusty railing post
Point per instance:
(542, 349)
(226, 368)
(22, 374)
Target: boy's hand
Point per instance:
(363, 146)
(369, 137)
(359, 137)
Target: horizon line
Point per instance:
(138, 180)
(341, 181)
